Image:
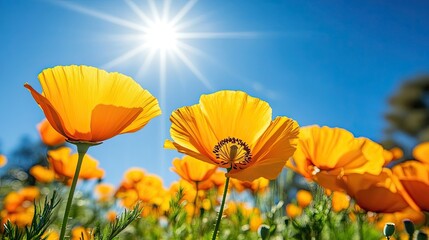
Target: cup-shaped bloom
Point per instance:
(81, 233)
(414, 176)
(3, 160)
(293, 211)
(259, 185)
(64, 164)
(381, 193)
(233, 130)
(417, 217)
(303, 198)
(86, 104)
(49, 135)
(104, 192)
(326, 154)
(340, 201)
(51, 235)
(18, 206)
(193, 170)
(421, 152)
(42, 174)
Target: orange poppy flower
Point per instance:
(414, 176)
(417, 217)
(64, 164)
(78, 232)
(86, 104)
(381, 193)
(304, 198)
(104, 191)
(340, 201)
(293, 211)
(51, 235)
(3, 160)
(111, 216)
(326, 154)
(189, 192)
(49, 135)
(233, 130)
(421, 152)
(259, 185)
(193, 170)
(42, 174)
(18, 206)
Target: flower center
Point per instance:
(233, 153)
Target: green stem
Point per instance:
(219, 216)
(196, 197)
(82, 148)
(360, 223)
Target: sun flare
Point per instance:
(161, 36)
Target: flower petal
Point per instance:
(108, 121)
(51, 114)
(191, 133)
(236, 114)
(75, 91)
(271, 151)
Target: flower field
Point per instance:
(244, 174)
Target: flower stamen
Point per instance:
(233, 153)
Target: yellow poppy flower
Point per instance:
(3, 160)
(381, 193)
(414, 176)
(340, 201)
(193, 170)
(303, 198)
(417, 217)
(78, 232)
(18, 206)
(86, 104)
(111, 216)
(293, 211)
(49, 135)
(326, 154)
(421, 152)
(233, 130)
(64, 164)
(104, 192)
(259, 185)
(51, 235)
(42, 174)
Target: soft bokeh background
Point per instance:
(330, 63)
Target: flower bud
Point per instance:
(409, 226)
(389, 229)
(422, 236)
(264, 231)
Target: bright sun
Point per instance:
(161, 36)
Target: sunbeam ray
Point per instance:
(124, 57)
(100, 15)
(147, 61)
(154, 11)
(166, 11)
(138, 11)
(193, 69)
(183, 12)
(217, 35)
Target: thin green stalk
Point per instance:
(82, 148)
(360, 225)
(196, 197)
(219, 216)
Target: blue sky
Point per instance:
(321, 62)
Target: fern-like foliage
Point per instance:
(42, 218)
(110, 231)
